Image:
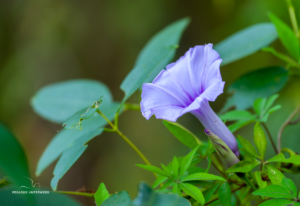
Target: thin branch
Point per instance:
(286, 123)
(270, 137)
(295, 121)
(231, 192)
(76, 193)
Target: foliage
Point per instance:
(86, 109)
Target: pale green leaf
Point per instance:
(290, 186)
(57, 102)
(152, 168)
(202, 176)
(275, 175)
(243, 166)
(224, 194)
(274, 191)
(246, 42)
(260, 140)
(248, 147)
(260, 182)
(187, 160)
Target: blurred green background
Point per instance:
(43, 42)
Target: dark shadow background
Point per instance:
(43, 42)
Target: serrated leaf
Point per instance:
(175, 167)
(118, 199)
(224, 194)
(260, 182)
(152, 168)
(13, 161)
(246, 42)
(287, 36)
(248, 147)
(182, 134)
(278, 202)
(70, 156)
(147, 197)
(274, 191)
(155, 55)
(290, 186)
(260, 140)
(295, 159)
(202, 176)
(193, 191)
(65, 138)
(209, 192)
(101, 194)
(275, 175)
(187, 160)
(76, 119)
(57, 102)
(268, 81)
(243, 166)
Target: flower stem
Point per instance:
(125, 138)
(76, 193)
(270, 137)
(287, 122)
(293, 17)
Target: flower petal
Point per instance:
(212, 92)
(170, 113)
(155, 96)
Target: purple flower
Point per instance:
(187, 86)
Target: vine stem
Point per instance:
(293, 17)
(76, 193)
(126, 139)
(231, 192)
(286, 123)
(270, 137)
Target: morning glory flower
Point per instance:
(188, 85)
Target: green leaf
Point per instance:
(182, 134)
(295, 159)
(237, 115)
(118, 199)
(76, 119)
(259, 106)
(209, 192)
(287, 36)
(239, 124)
(275, 175)
(57, 102)
(160, 179)
(147, 197)
(256, 84)
(274, 191)
(248, 147)
(157, 53)
(202, 176)
(101, 194)
(277, 202)
(152, 168)
(270, 101)
(246, 42)
(70, 156)
(260, 182)
(224, 194)
(193, 191)
(290, 186)
(176, 189)
(65, 138)
(167, 184)
(13, 161)
(187, 160)
(260, 140)
(175, 167)
(243, 166)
